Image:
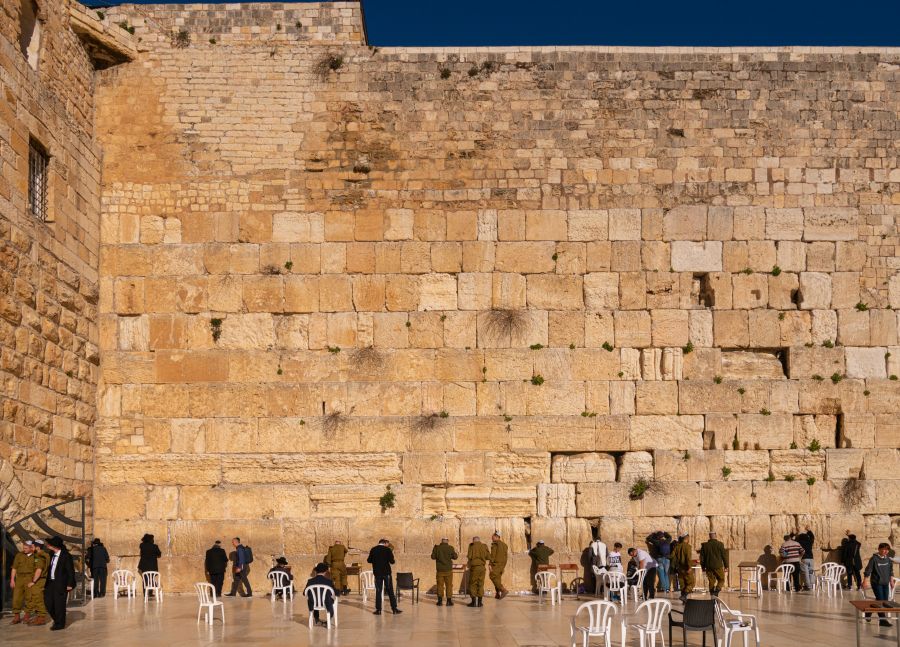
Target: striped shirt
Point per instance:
(791, 552)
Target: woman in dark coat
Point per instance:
(150, 555)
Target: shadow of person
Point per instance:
(74, 616)
(768, 559)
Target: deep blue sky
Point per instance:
(622, 22)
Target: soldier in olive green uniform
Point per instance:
(499, 557)
(478, 557)
(682, 562)
(335, 560)
(714, 561)
(540, 556)
(443, 555)
(27, 580)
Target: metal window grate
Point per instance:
(38, 162)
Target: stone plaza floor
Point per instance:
(796, 620)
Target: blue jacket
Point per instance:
(241, 556)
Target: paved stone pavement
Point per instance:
(786, 621)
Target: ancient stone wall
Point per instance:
(513, 285)
(48, 270)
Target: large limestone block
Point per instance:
(562, 434)
(815, 290)
(858, 430)
(844, 397)
(667, 432)
(475, 501)
(781, 497)
(634, 466)
(887, 431)
(686, 222)
(624, 224)
(158, 470)
(606, 499)
(697, 256)
(784, 224)
(556, 500)
(362, 500)
(421, 535)
(731, 328)
(700, 465)
(612, 529)
(750, 291)
(312, 468)
(656, 398)
(866, 362)
(707, 397)
(510, 468)
(424, 467)
(804, 362)
(746, 465)
(854, 328)
(661, 363)
(830, 223)
(759, 431)
(672, 498)
(887, 493)
(842, 464)
(437, 292)
(588, 224)
(120, 502)
(799, 463)
(554, 398)
(633, 328)
(589, 467)
(821, 428)
(726, 497)
(882, 464)
(669, 327)
(730, 530)
(748, 365)
(601, 290)
(555, 292)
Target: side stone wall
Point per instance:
(49, 357)
(512, 285)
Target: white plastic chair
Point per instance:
(819, 579)
(638, 587)
(281, 583)
(600, 615)
(320, 593)
(150, 581)
(753, 578)
(735, 622)
(548, 582)
(830, 580)
(656, 611)
(781, 577)
(599, 579)
(89, 583)
(123, 580)
(206, 594)
(366, 584)
(616, 584)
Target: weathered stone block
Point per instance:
(696, 256)
(667, 432)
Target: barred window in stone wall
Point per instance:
(38, 163)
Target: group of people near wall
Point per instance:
(43, 572)
(42, 575)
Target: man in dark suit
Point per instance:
(320, 578)
(216, 564)
(381, 557)
(60, 580)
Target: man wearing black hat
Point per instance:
(320, 578)
(215, 566)
(60, 580)
(381, 557)
(281, 566)
(98, 561)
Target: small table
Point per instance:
(354, 569)
(567, 568)
(749, 572)
(873, 606)
(463, 581)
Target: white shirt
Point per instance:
(644, 556)
(598, 548)
(53, 561)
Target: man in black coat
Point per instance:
(98, 560)
(60, 580)
(320, 578)
(381, 557)
(216, 565)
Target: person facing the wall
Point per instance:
(381, 557)
(98, 562)
(215, 565)
(499, 557)
(443, 555)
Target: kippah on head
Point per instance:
(540, 541)
(321, 567)
(28, 542)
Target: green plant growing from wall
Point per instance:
(428, 422)
(726, 472)
(387, 500)
(334, 350)
(328, 63)
(765, 412)
(445, 72)
(814, 445)
(368, 359)
(717, 379)
(776, 270)
(215, 327)
(688, 348)
(828, 343)
(811, 481)
(686, 456)
(639, 488)
(790, 478)
(836, 377)
(607, 347)
(862, 307)
(537, 380)
(506, 323)
(536, 346)
(181, 39)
